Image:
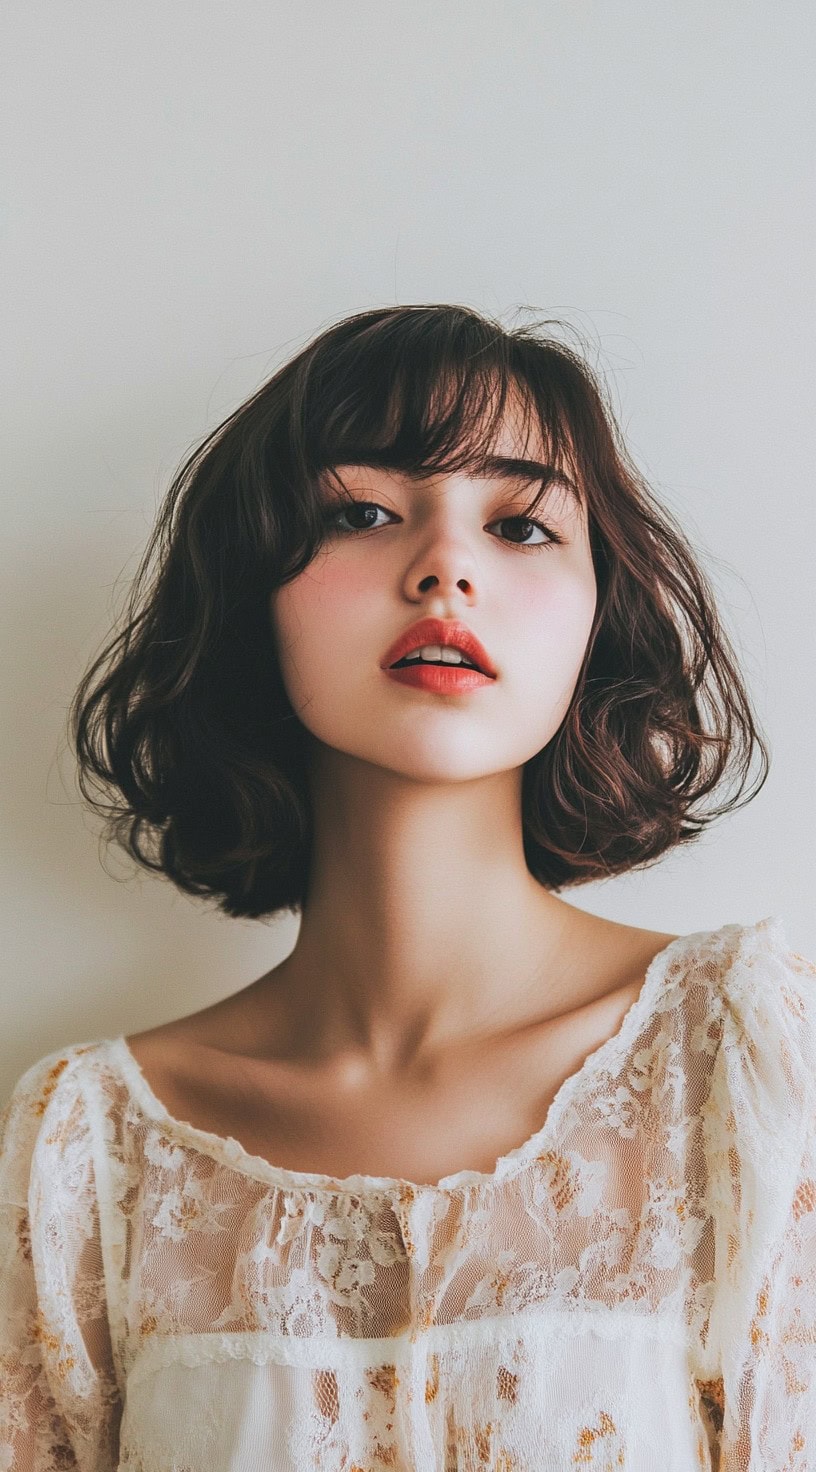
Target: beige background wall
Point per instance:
(192, 190)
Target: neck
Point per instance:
(423, 928)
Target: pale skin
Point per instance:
(437, 996)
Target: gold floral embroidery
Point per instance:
(432, 1385)
(385, 1379)
(483, 1437)
(406, 1196)
(589, 1435)
(23, 1231)
(757, 1333)
(560, 1179)
(51, 1077)
(41, 1334)
(804, 1199)
(386, 1456)
(507, 1385)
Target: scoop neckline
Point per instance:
(232, 1153)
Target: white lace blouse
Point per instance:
(634, 1287)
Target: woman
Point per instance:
(473, 1178)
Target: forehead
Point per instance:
(511, 440)
(519, 431)
(520, 449)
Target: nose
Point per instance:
(444, 564)
(445, 584)
(444, 559)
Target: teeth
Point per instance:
(439, 651)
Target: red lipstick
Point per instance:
(450, 635)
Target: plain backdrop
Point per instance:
(191, 191)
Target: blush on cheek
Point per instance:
(344, 604)
(344, 583)
(562, 609)
(328, 602)
(330, 589)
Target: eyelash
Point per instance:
(332, 517)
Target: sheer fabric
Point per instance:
(633, 1287)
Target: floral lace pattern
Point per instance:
(633, 1286)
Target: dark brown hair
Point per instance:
(183, 715)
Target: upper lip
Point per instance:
(440, 631)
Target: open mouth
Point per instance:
(447, 664)
(440, 644)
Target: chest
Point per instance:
(476, 1110)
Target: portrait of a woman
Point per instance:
(473, 1178)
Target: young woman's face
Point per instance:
(445, 548)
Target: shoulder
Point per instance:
(758, 1008)
(751, 980)
(768, 994)
(46, 1115)
(759, 1116)
(741, 1005)
(49, 1075)
(762, 1100)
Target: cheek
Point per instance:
(561, 610)
(323, 598)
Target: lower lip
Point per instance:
(441, 679)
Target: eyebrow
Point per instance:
(506, 467)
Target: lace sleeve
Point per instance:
(766, 1220)
(770, 1376)
(59, 1401)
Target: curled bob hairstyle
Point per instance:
(183, 717)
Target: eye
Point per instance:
(333, 519)
(550, 538)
